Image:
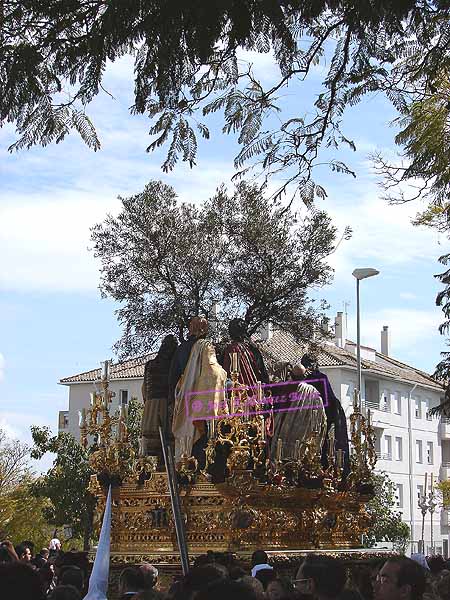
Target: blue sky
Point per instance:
(53, 322)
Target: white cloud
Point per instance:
(407, 296)
(382, 234)
(409, 328)
(44, 242)
(45, 235)
(17, 427)
(13, 433)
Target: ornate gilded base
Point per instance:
(240, 515)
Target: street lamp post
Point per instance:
(360, 274)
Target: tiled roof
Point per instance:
(282, 346)
(129, 369)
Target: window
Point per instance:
(372, 394)
(428, 416)
(430, 453)
(398, 448)
(397, 403)
(388, 447)
(123, 396)
(399, 495)
(417, 410)
(419, 493)
(419, 457)
(384, 404)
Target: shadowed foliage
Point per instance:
(189, 62)
(165, 261)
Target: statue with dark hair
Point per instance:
(198, 328)
(158, 407)
(250, 361)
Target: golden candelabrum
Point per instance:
(105, 435)
(363, 457)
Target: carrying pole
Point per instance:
(175, 500)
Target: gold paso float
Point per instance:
(290, 506)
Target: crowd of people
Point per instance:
(52, 574)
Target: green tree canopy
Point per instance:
(166, 261)
(387, 525)
(66, 482)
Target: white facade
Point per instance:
(409, 443)
(79, 397)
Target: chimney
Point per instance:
(265, 331)
(385, 340)
(340, 330)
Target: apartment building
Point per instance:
(410, 444)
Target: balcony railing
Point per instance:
(374, 405)
(445, 420)
(383, 455)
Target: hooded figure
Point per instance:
(333, 409)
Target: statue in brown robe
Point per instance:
(155, 394)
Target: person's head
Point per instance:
(44, 552)
(265, 576)
(259, 557)
(436, 564)
(206, 574)
(309, 362)
(237, 328)
(443, 587)
(253, 584)
(64, 592)
(198, 327)
(279, 588)
(150, 574)
(23, 551)
(298, 371)
(69, 559)
(225, 590)
(72, 576)
(6, 555)
(18, 580)
(131, 579)
(321, 577)
(400, 578)
(168, 347)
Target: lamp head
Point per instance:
(364, 273)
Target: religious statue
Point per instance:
(155, 393)
(298, 412)
(250, 363)
(199, 397)
(198, 328)
(334, 412)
